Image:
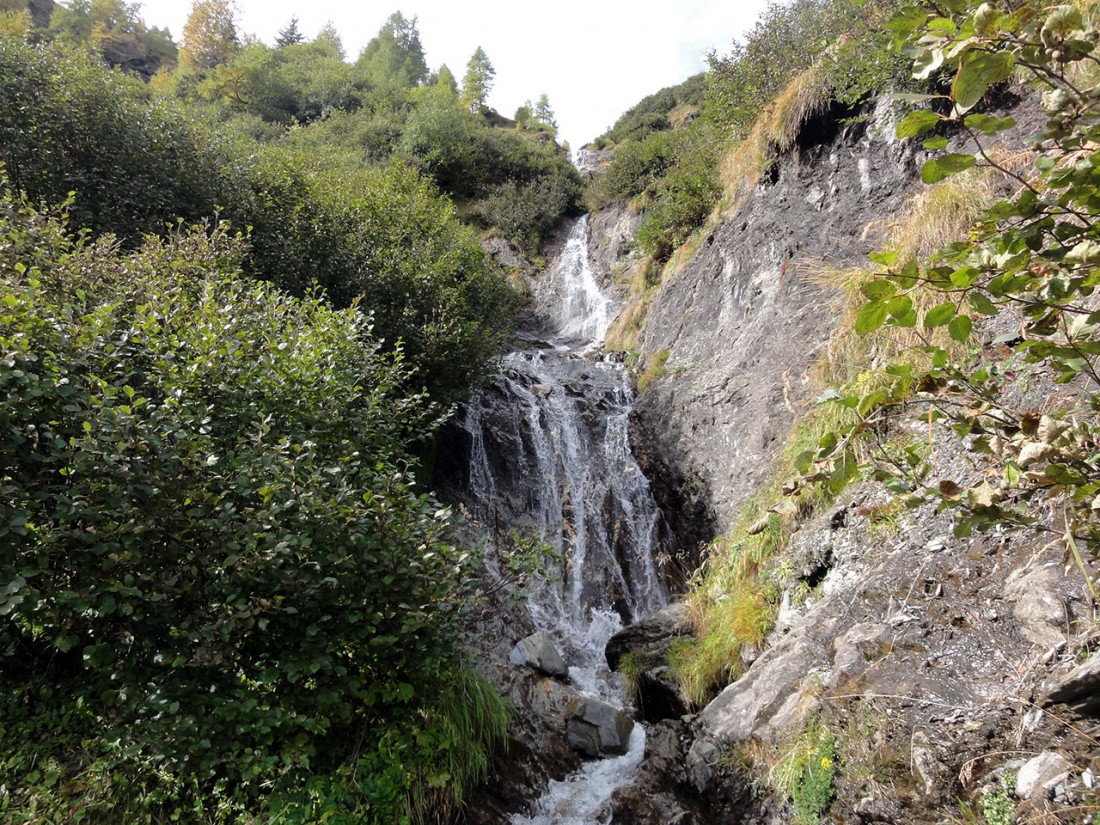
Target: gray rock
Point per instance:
(1041, 775)
(538, 651)
(660, 628)
(1038, 603)
(596, 728)
(1080, 688)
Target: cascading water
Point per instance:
(550, 456)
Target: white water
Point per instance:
(564, 462)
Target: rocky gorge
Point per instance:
(934, 678)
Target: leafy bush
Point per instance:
(137, 165)
(211, 547)
(654, 113)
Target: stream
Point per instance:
(551, 458)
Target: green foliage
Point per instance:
(790, 37)
(395, 55)
(806, 771)
(478, 80)
(1032, 254)
(654, 113)
(998, 807)
(383, 237)
(216, 566)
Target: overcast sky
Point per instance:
(594, 59)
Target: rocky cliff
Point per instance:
(928, 675)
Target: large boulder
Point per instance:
(596, 728)
(538, 651)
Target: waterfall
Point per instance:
(550, 457)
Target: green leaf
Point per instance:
(936, 169)
(878, 289)
(980, 70)
(989, 125)
(871, 317)
(917, 123)
(927, 62)
(940, 315)
(960, 328)
(981, 304)
(901, 311)
(935, 143)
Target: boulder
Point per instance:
(596, 728)
(1040, 775)
(1038, 603)
(649, 637)
(659, 696)
(538, 651)
(1080, 688)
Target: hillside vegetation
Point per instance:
(242, 286)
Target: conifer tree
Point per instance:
(289, 35)
(478, 81)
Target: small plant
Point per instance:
(997, 807)
(656, 369)
(805, 773)
(631, 668)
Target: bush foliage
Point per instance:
(381, 236)
(210, 539)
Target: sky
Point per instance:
(594, 60)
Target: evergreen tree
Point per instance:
(289, 35)
(329, 42)
(544, 115)
(395, 54)
(209, 35)
(445, 79)
(478, 81)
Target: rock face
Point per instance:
(743, 322)
(1080, 688)
(596, 728)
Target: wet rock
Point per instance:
(1080, 688)
(649, 636)
(596, 728)
(659, 696)
(538, 651)
(1039, 776)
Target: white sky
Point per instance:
(595, 60)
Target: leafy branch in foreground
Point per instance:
(1031, 264)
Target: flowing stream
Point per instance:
(550, 457)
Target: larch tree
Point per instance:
(209, 35)
(478, 80)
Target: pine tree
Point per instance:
(478, 81)
(289, 35)
(209, 35)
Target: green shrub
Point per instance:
(213, 558)
(383, 237)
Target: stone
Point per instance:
(596, 728)
(661, 627)
(1038, 605)
(1081, 688)
(1039, 776)
(659, 696)
(538, 651)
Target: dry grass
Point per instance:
(935, 216)
(774, 132)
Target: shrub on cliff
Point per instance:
(216, 575)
